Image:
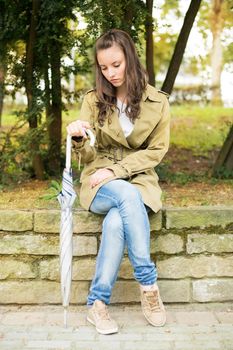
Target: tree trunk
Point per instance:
(2, 59)
(217, 22)
(2, 87)
(180, 46)
(225, 157)
(47, 85)
(128, 16)
(55, 124)
(32, 117)
(150, 42)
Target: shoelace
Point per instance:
(103, 313)
(152, 299)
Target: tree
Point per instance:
(30, 89)
(180, 46)
(3, 54)
(221, 16)
(8, 34)
(224, 161)
(55, 41)
(217, 21)
(149, 42)
(102, 16)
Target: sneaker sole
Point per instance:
(105, 332)
(153, 324)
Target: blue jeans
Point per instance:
(126, 223)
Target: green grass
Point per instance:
(9, 118)
(200, 129)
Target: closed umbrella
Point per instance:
(66, 199)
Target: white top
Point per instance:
(125, 122)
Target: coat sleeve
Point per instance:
(85, 153)
(157, 146)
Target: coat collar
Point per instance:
(142, 127)
(152, 94)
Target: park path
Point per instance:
(200, 327)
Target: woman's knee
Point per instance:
(124, 190)
(112, 223)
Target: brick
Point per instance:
(169, 244)
(74, 336)
(74, 319)
(225, 317)
(155, 221)
(175, 291)
(212, 243)
(198, 217)
(29, 244)
(213, 290)
(125, 292)
(82, 269)
(12, 268)
(25, 318)
(86, 222)
(12, 344)
(49, 344)
(47, 221)
(83, 221)
(196, 318)
(126, 269)
(40, 292)
(84, 245)
(79, 292)
(26, 335)
(149, 345)
(207, 344)
(168, 337)
(45, 244)
(171, 291)
(50, 269)
(97, 345)
(16, 220)
(197, 267)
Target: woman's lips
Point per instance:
(114, 80)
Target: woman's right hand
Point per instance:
(77, 128)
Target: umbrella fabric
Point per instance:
(66, 199)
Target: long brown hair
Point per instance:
(135, 76)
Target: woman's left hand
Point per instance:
(100, 175)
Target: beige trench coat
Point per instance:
(133, 158)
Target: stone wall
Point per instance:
(192, 248)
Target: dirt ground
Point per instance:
(28, 195)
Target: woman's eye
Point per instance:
(117, 65)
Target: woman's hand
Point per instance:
(77, 128)
(100, 175)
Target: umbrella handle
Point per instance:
(92, 137)
(68, 152)
(69, 146)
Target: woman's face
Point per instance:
(112, 64)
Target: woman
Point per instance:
(130, 119)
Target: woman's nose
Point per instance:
(111, 73)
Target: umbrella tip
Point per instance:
(65, 317)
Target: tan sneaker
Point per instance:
(98, 316)
(152, 306)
